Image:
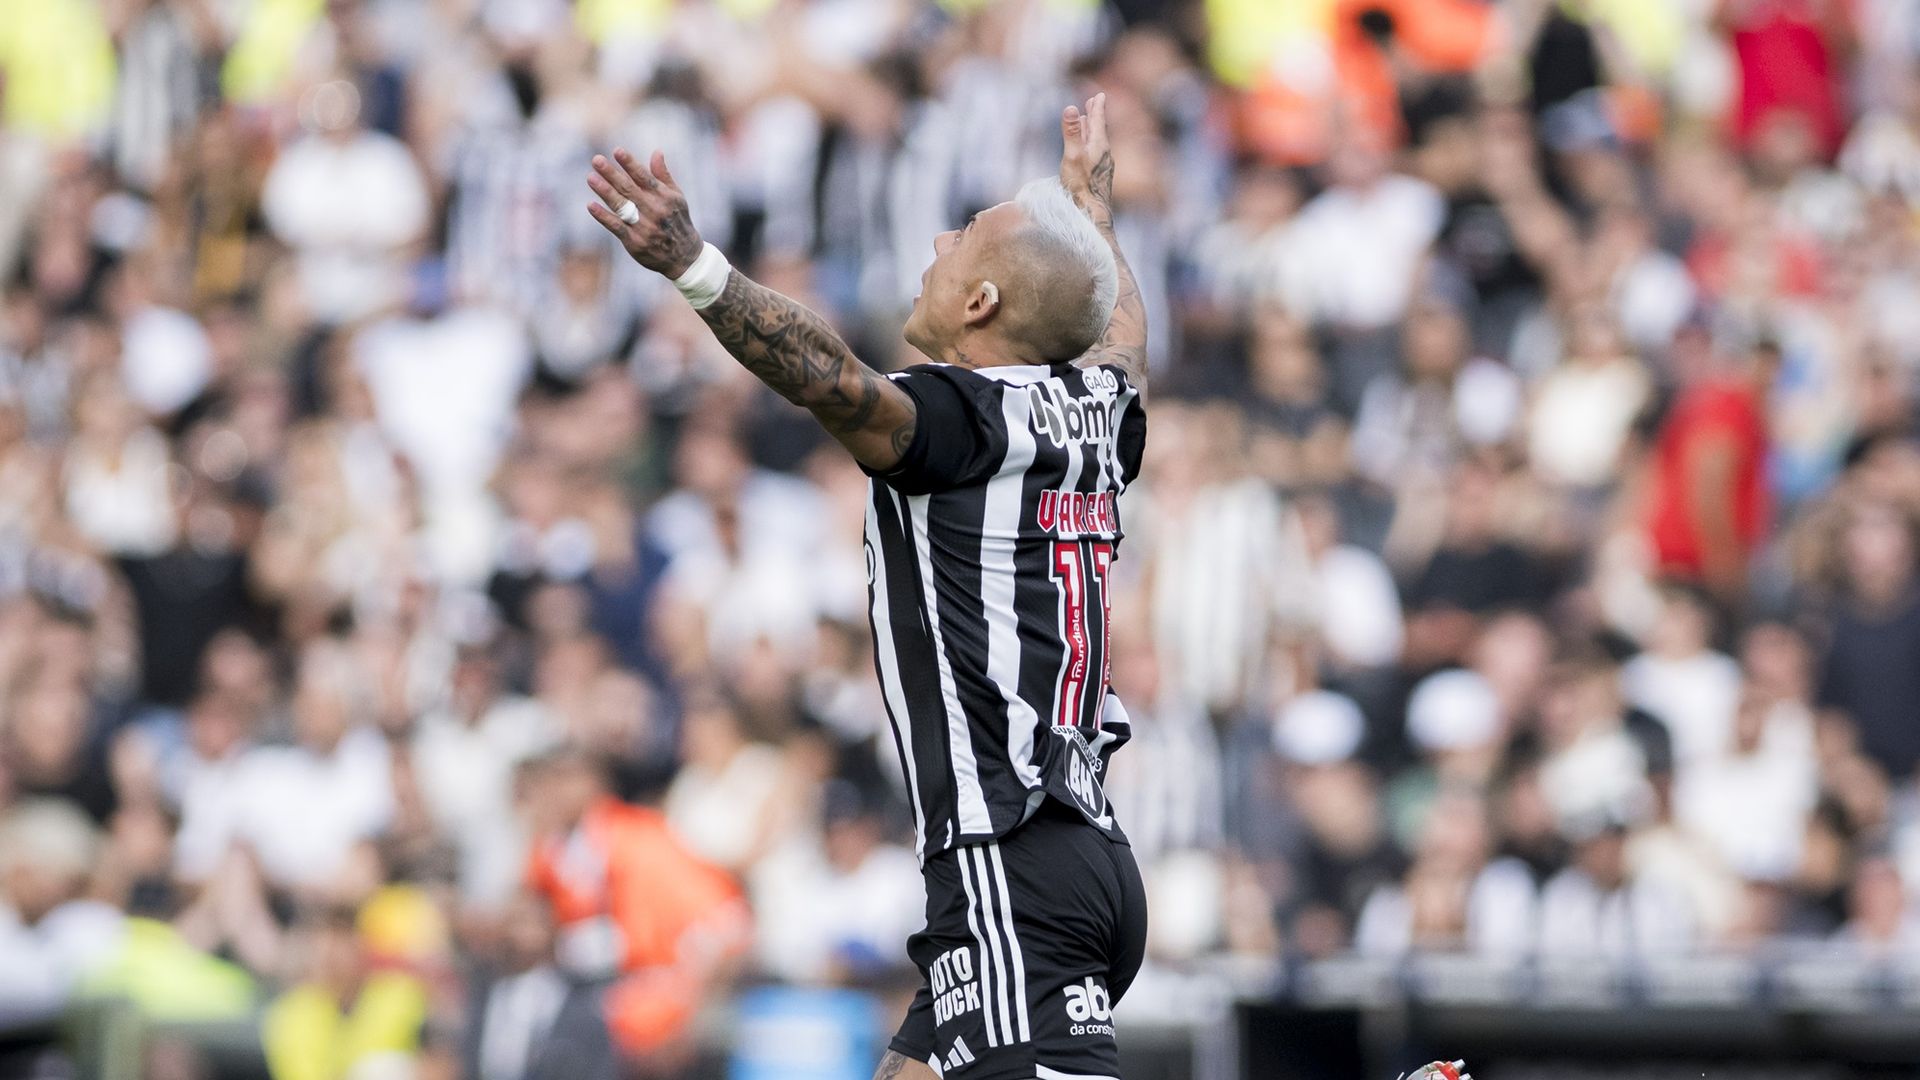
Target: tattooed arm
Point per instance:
(794, 351)
(1086, 169)
(788, 346)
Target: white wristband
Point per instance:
(706, 279)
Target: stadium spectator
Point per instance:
(636, 911)
(347, 200)
(464, 755)
(341, 1018)
(1453, 897)
(1709, 499)
(529, 1019)
(1877, 621)
(1789, 53)
(871, 903)
(1598, 907)
(336, 761)
(54, 937)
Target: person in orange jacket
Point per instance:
(632, 905)
(1291, 111)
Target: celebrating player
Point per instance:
(992, 521)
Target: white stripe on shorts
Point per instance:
(1013, 943)
(987, 980)
(987, 916)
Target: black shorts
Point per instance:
(1030, 942)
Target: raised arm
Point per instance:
(785, 344)
(1086, 169)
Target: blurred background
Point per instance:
(423, 653)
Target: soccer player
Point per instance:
(992, 521)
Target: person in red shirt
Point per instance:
(1710, 505)
(633, 905)
(1790, 54)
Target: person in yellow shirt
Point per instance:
(56, 67)
(343, 1014)
(267, 48)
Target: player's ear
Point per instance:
(983, 303)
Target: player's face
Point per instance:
(950, 286)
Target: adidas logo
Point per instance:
(959, 1055)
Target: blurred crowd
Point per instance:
(418, 638)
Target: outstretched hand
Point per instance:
(664, 239)
(1086, 171)
(1086, 162)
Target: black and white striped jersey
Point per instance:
(988, 551)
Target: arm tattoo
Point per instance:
(1103, 182)
(794, 351)
(890, 1066)
(1124, 345)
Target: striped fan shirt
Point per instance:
(988, 551)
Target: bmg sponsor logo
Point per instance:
(1064, 420)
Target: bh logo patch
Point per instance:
(1082, 773)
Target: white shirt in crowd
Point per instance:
(1752, 807)
(1501, 908)
(123, 505)
(23, 176)
(1600, 772)
(302, 812)
(347, 207)
(764, 595)
(1361, 621)
(1677, 860)
(42, 965)
(870, 910)
(777, 513)
(209, 795)
(1652, 296)
(1351, 254)
(766, 586)
(1640, 919)
(165, 358)
(1695, 696)
(465, 772)
(1882, 154)
(720, 813)
(444, 391)
(1582, 415)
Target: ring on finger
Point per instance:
(628, 213)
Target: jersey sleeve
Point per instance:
(1130, 428)
(959, 434)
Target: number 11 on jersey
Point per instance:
(1077, 566)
